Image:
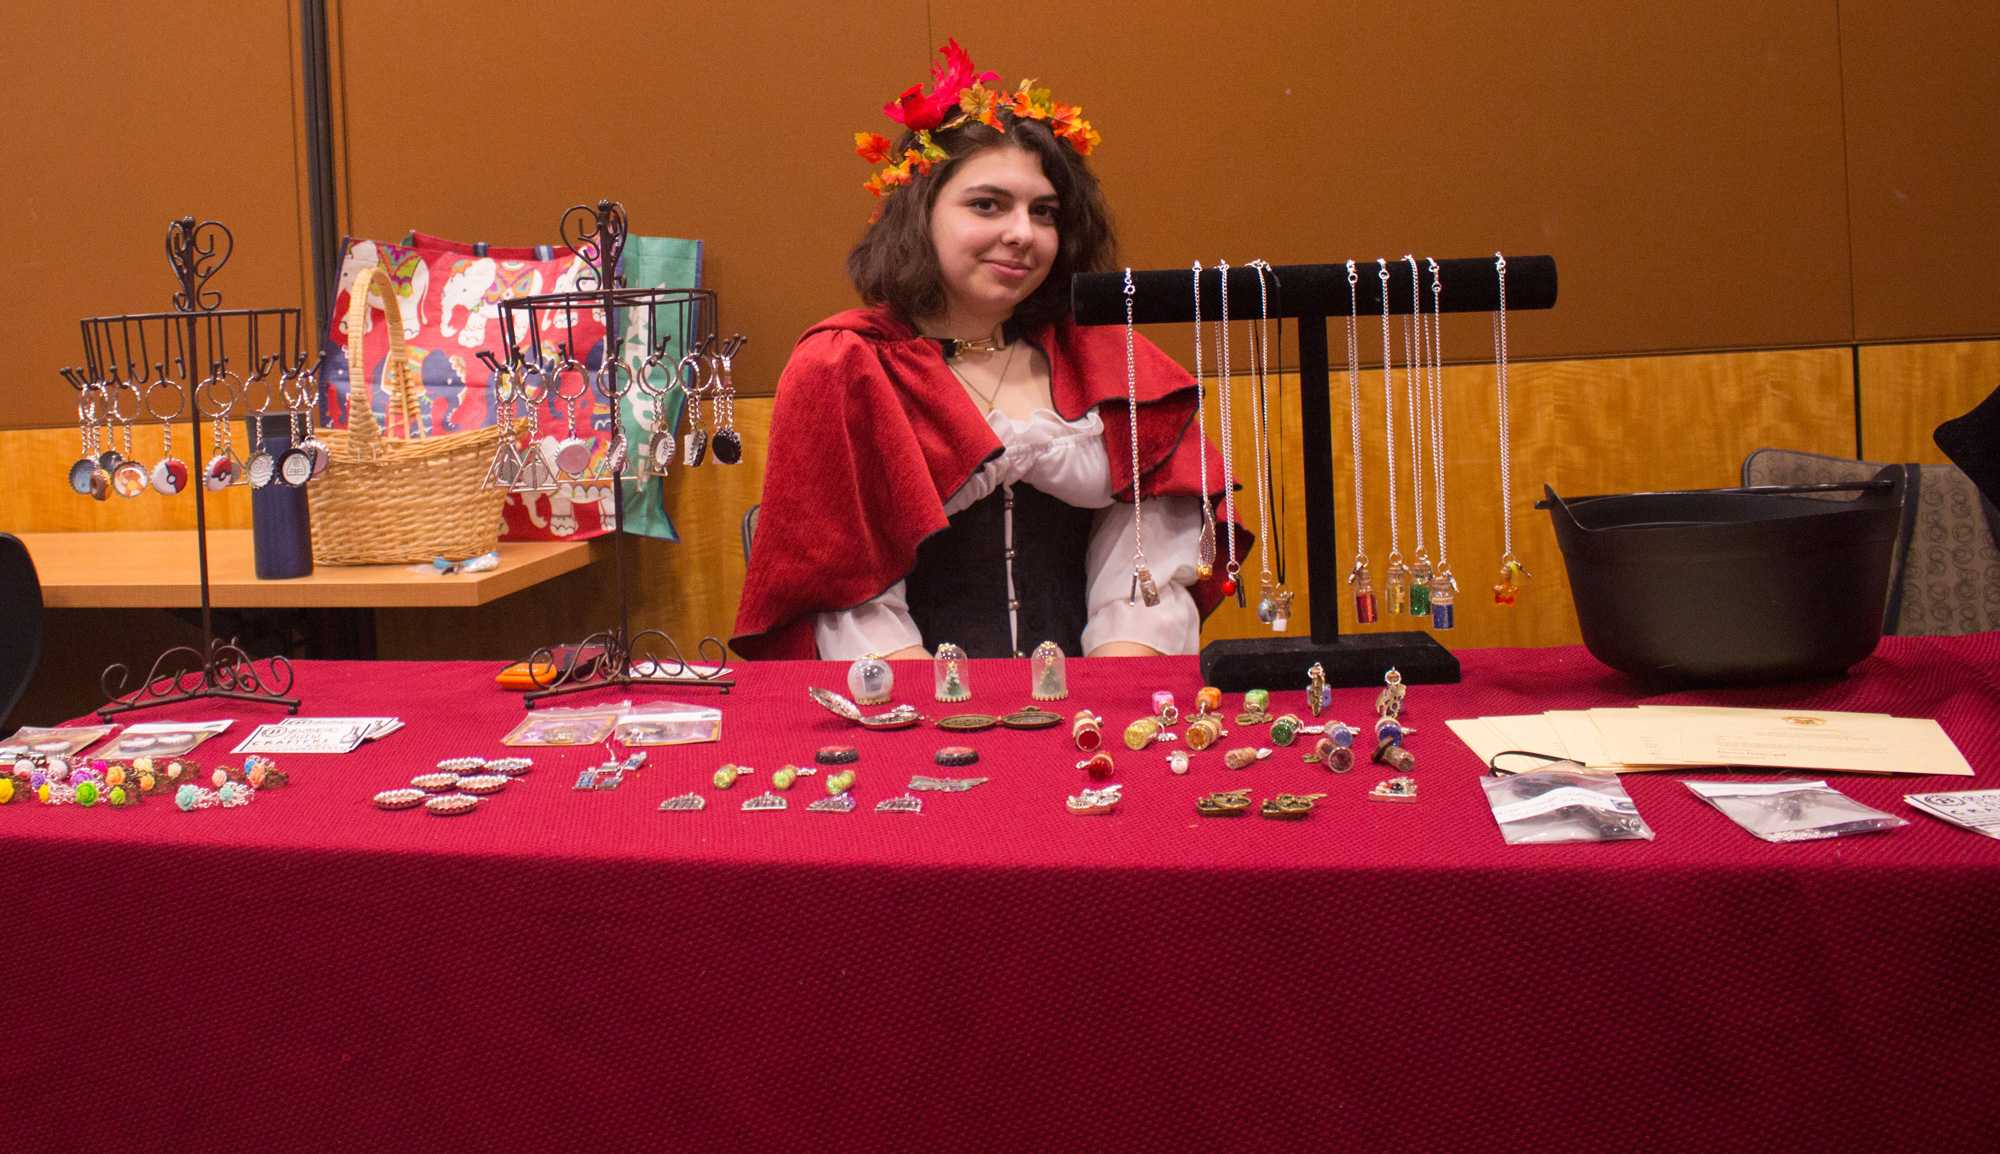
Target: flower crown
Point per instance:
(959, 95)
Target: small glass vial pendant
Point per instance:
(870, 680)
(1049, 679)
(1204, 565)
(1318, 693)
(1420, 588)
(1143, 588)
(1396, 587)
(1281, 620)
(1267, 600)
(948, 674)
(1443, 593)
(1364, 594)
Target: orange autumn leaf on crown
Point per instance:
(872, 147)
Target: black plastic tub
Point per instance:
(1731, 586)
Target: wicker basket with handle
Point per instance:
(384, 500)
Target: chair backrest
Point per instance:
(749, 531)
(1947, 578)
(20, 621)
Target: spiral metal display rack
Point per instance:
(212, 361)
(677, 323)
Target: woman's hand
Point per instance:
(910, 653)
(1124, 649)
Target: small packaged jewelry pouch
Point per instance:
(566, 726)
(64, 742)
(669, 723)
(1793, 810)
(1557, 805)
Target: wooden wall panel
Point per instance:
(1682, 160)
(121, 118)
(730, 123)
(1923, 160)
(1909, 390)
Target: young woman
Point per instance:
(953, 462)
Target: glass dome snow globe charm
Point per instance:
(948, 670)
(1049, 676)
(870, 680)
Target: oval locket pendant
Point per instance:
(316, 448)
(79, 475)
(128, 479)
(661, 451)
(295, 467)
(170, 476)
(727, 446)
(261, 469)
(573, 457)
(221, 472)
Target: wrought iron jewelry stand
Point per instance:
(1312, 294)
(596, 235)
(198, 335)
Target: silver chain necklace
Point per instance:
(1143, 587)
(1358, 578)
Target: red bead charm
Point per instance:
(1229, 586)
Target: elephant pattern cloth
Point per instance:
(450, 294)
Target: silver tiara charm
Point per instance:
(840, 803)
(1096, 801)
(764, 801)
(946, 784)
(685, 803)
(908, 803)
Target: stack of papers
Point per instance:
(317, 734)
(1708, 737)
(1977, 810)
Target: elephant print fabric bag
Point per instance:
(450, 294)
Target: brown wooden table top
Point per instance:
(159, 569)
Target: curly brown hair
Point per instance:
(895, 264)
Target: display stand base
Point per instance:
(1358, 659)
(608, 659)
(185, 674)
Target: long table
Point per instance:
(582, 971)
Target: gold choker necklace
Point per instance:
(953, 347)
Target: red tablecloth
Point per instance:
(581, 971)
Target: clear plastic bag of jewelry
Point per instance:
(1557, 805)
(669, 723)
(1793, 810)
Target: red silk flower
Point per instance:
(919, 112)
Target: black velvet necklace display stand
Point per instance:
(1312, 293)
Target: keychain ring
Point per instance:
(161, 385)
(570, 365)
(605, 380)
(644, 377)
(533, 394)
(87, 405)
(686, 369)
(138, 400)
(205, 393)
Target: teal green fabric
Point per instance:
(653, 262)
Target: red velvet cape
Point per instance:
(871, 433)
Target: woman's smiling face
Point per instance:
(993, 225)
